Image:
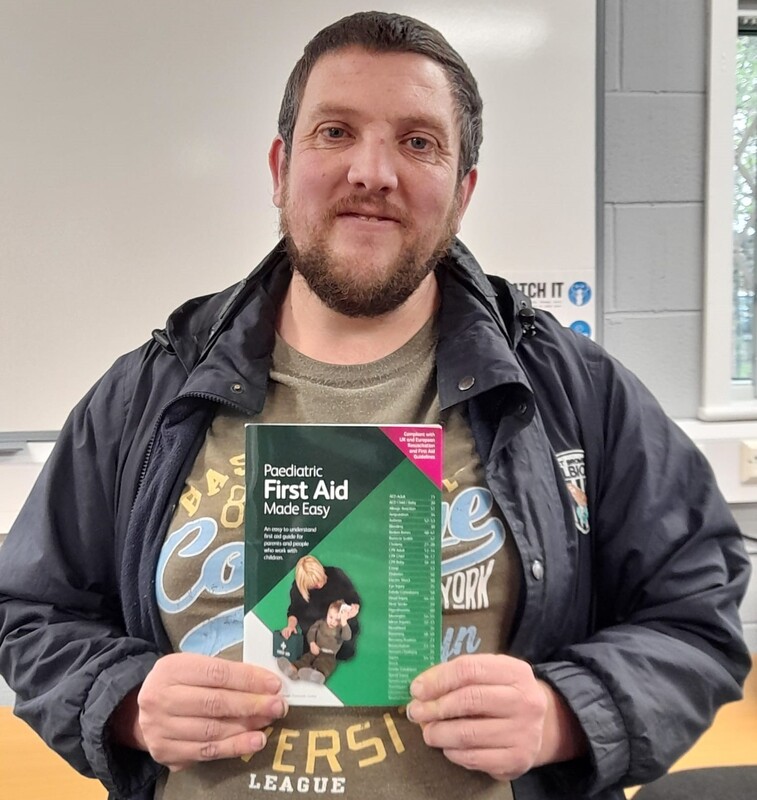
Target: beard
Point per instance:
(350, 289)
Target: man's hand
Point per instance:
(490, 713)
(314, 649)
(197, 708)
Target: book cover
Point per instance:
(342, 558)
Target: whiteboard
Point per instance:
(133, 162)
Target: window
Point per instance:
(729, 373)
(744, 206)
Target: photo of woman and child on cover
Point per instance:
(323, 606)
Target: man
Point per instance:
(581, 653)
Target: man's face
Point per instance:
(369, 197)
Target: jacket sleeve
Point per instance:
(63, 647)
(297, 605)
(669, 571)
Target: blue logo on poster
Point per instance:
(581, 326)
(579, 293)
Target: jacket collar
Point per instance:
(475, 352)
(194, 328)
(224, 341)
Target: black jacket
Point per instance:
(634, 622)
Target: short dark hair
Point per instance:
(380, 32)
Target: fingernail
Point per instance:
(281, 709)
(258, 741)
(416, 688)
(409, 712)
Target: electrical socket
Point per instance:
(749, 460)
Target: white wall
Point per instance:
(133, 161)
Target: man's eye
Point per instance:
(332, 132)
(419, 143)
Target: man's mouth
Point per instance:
(368, 214)
(371, 219)
(368, 217)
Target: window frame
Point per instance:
(722, 398)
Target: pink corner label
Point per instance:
(422, 444)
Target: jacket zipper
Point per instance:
(148, 452)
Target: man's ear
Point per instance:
(465, 192)
(277, 163)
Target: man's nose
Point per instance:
(373, 166)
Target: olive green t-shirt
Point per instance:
(356, 753)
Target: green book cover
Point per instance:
(342, 558)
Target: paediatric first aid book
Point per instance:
(343, 535)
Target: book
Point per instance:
(342, 550)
